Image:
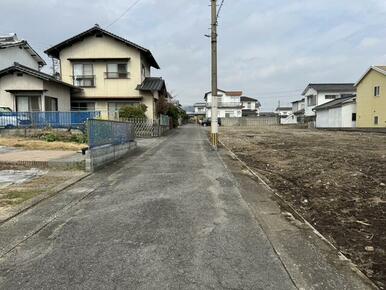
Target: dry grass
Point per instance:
(31, 144)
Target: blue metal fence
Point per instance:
(101, 132)
(73, 119)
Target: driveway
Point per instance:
(170, 217)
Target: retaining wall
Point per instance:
(100, 156)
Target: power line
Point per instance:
(124, 13)
(219, 9)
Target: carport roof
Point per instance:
(336, 103)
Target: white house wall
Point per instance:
(61, 93)
(340, 117)
(14, 54)
(347, 111)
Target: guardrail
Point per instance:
(101, 132)
(73, 119)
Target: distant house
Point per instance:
(113, 72)
(228, 103)
(285, 115)
(318, 94)
(298, 110)
(338, 113)
(14, 50)
(250, 107)
(25, 89)
(371, 98)
(199, 109)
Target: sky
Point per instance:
(269, 49)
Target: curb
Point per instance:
(353, 267)
(25, 206)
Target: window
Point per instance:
(117, 71)
(84, 75)
(249, 105)
(82, 106)
(376, 120)
(143, 71)
(331, 97)
(51, 104)
(377, 91)
(354, 117)
(28, 103)
(311, 100)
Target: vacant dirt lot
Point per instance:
(336, 180)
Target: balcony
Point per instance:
(84, 81)
(226, 105)
(117, 75)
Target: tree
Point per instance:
(129, 112)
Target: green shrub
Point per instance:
(51, 137)
(129, 112)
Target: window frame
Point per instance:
(377, 91)
(119, 75)
(312, 97)
(376, 120)
(51, 101)
(84, 77)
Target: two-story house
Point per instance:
(228, 104)
(199, 109)
(371, 98)
(12, 50)
(298, 110)
(112, 71)
(318, 94)
(250, 107)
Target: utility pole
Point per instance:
(214, 121)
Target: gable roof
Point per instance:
(331, 87)
(336, 103)
(35, 73)
(54, 51)
(152, 84)
(379, 68)
(13, 41)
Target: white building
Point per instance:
(298, 110)
(285, 114)
(250, 107)
(338, 113)
(319, 94)
(228, 103)
(14, 50)
(199, 109)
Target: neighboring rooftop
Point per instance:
(152, 84)
(11, 40)
(283, 109)
(331, 87)
(228, 93)
(55, 50)
(298, 101)
(32, 72)
(336, 103)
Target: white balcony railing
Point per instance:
(226, 105)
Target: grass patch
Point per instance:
(17, 197)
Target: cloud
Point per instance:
(265, 47)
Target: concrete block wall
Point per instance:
(99, 156)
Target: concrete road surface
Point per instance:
(170, 217)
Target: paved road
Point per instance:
(171, 217)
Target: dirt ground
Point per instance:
(31, 144)
(45, 183)
(336, 180)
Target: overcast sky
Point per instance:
(269, 49)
